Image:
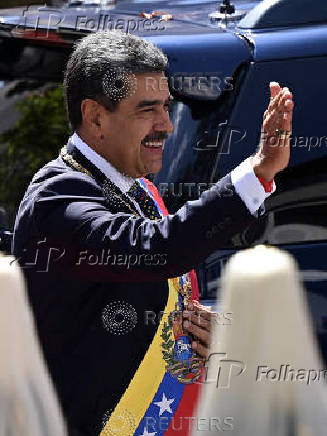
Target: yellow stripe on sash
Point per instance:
(132, 406)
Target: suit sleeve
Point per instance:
(71, 210)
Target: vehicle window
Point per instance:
(185, 164)
(201, 132)
(297, 212)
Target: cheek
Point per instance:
(142, 127)
(143, 154)
(135, 139)
(153, 162)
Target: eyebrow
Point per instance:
(146, 103)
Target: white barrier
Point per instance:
(28, 403)
(264, 374)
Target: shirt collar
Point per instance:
(123, 182)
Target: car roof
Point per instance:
(269, 14)
(192, 36)
(187, 16)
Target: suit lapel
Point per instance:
(114, 197)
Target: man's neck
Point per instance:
(121, 180)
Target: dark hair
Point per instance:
(99, 66)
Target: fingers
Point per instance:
(279, 114)
(273, 112)
(204, 311)
(197, 321)
(288, 115)
(285, 113)
(278, 102)
(273, 154)
(274, 89)
(200, 315)
(197, 318)
(199, 332)
(202, 350)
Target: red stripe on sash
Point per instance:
(185, 415)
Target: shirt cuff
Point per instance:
(248, 186)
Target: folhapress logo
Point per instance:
(221, 370)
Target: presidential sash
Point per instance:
(162, 396)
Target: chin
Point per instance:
(150, 168)
(154, 169)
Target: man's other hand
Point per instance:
(274, 150)
(198, 321)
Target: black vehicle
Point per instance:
(221, 61)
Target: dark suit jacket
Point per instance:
(64, 232)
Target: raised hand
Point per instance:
(274, 150)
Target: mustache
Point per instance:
(159, 136)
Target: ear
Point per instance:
(92, 116)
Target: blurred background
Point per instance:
(13, 3)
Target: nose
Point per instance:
(163, 123)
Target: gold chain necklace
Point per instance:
(186, 289)
(107, 190)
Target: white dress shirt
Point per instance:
(245, 182)
(122, 181)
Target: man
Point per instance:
(100, 252)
